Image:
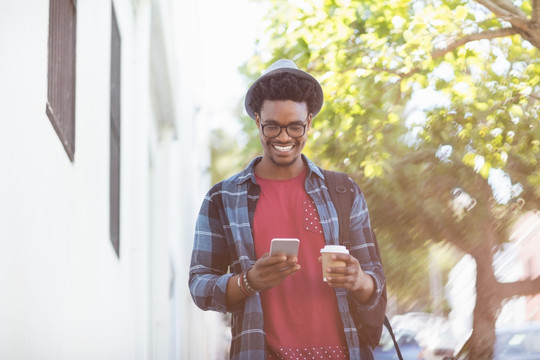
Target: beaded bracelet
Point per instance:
(240, 285)
(249, 289)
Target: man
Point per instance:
(281, 308)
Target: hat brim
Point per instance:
(297, 72)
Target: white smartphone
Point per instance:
(285, 246)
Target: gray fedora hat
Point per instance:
(279, 67)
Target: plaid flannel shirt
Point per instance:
(223, 246)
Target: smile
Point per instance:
(283, 148)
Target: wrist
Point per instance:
(365, 289)
(248, 285)
(240, 284)
(245, 286)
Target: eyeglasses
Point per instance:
(293, 130)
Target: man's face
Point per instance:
(283, 150)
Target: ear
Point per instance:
(257, 120)
(310, 117)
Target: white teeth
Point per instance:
(283, 148)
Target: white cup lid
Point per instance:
(335, 249)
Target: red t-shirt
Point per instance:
(301, 316)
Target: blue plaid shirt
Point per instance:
(223, 246)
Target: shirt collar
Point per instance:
(249, 172)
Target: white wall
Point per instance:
(65, 294)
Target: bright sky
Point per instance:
(229, 29)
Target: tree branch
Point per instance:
(506, 10)
(536, 13)
(503, 9)
(519, 288)
(492, 34)
(486, 35)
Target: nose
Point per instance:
(283, 135)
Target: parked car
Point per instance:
(519, 343)
(439, 344)
(516, 343)
(408, 345)
(437, 352)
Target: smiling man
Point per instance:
(282, 137)
(281, 307)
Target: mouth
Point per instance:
(283, 148)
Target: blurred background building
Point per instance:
(104, 163)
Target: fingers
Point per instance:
(349, 259)
(266, 259)
(342, 281)
(351, 265)
(270, 271)
(341, 274)
(346, 276)
(285, 265)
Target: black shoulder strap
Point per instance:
(389, 328)
(341, 190)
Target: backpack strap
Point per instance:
(389, 328)
(341, 192)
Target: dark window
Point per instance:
(115, 135)
(61, 81)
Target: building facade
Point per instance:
(104, 163)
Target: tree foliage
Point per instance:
(426, 101)
(224, 155)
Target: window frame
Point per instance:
(61, 81)
(115, 133)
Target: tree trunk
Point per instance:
(486, 307)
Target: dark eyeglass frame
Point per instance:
(303, 126)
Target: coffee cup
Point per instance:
(328, 262)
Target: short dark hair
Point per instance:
(284, 86)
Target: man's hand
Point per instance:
(351, 277)
(267, 272)
(270, 271)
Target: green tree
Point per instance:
(225, 156)
(417, 158)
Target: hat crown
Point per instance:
(285, 66)
(281, 64)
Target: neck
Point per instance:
(268, 170)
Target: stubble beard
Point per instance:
(284, 164)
